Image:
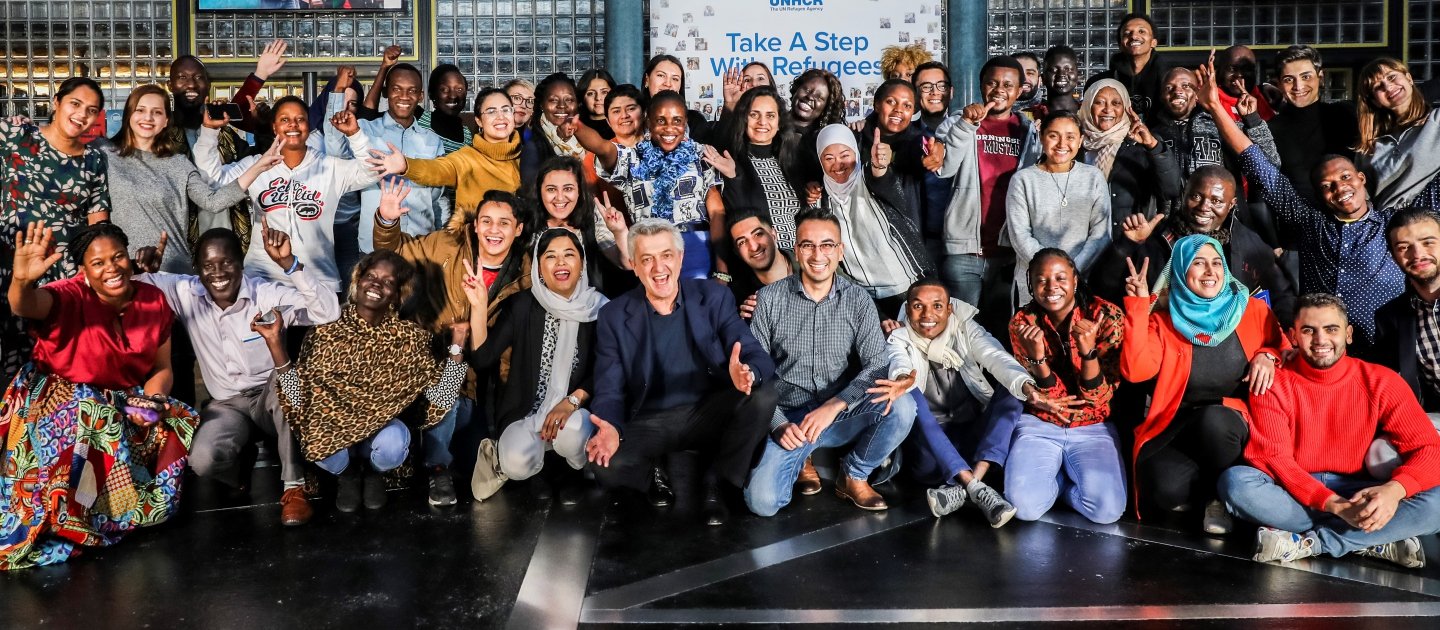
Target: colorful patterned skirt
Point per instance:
(77, 473)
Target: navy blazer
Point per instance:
(624, 361)
(1397, 330)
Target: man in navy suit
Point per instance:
(677, 369)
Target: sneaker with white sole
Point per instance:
(945, 499)
(1217, 521)
(1275, 544)
(1407, 553)
(996, 509)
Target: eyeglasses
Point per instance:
(527, 102)
(491, 111)
(826, 247)
(937, 86)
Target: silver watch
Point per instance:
(455, 350)
(573, 400)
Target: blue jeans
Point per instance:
(1255, 497)
(875, 434)
(436, 439)
(932, 451)
(696, 263)
(387, 449)
(1083, 462)
(986, 284)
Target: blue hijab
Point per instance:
(1205, 322)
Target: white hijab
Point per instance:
(839, 134)
(583, 305)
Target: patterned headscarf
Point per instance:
(1105, 143)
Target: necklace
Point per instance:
(1064, 192)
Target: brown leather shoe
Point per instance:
(294, 507)
(809, 481)
(859, 492)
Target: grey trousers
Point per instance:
(225, 429)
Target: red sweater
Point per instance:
(1315, 420)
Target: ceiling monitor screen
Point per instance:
(301, 5)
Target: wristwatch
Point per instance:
(573, 400)
(455, 350)
(1093, 354)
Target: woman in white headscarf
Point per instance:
(550, 331)
(1105, 121)
(883, 249)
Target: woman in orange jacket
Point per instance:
(1202, 349)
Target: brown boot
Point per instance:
(294, 507)
(809, 481)
(859, 492)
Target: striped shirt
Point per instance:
(822, 350)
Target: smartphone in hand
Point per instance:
(269, 316)
(219, 111)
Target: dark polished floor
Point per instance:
(521, 562)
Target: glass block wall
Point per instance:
(493, 41)
(1088, 26)
(1188, 24)
(119, 43)
(1423, 29)
(241, 36)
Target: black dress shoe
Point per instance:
(714, 509)
(660, 494)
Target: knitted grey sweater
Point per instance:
(149, 195)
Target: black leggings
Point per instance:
(1209, 439)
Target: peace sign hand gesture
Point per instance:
(614, 219)
(1137, 284)
(475, 290)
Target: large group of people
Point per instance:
(1161, 289)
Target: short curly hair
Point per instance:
(892, 56)
(404, 273)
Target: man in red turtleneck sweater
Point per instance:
(1307, 485)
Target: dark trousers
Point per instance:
(1209, 439)
(726, 426)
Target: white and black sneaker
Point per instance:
(945, 499)
(1275, 544)
(1407, 553)
(996, 509)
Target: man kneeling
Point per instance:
(1308, 487)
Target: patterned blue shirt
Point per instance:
(1351, 260)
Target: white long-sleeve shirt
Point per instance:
(300, 202)
(232, 357)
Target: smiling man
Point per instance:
(217, 307)
(1136, 64)
(764, 262)
(1308, 486)
(1407, 337)
(1307, 127)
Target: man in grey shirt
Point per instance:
(824, 333)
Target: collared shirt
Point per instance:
(826, 349)
(428, 207)
(1351, 260)
(233, 358)
(1427, 340)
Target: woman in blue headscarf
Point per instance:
(1207, 346)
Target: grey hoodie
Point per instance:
(962, 163)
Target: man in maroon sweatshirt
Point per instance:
(1307, 484)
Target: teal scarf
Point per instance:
(1206, 322)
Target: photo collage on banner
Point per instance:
(845, 37)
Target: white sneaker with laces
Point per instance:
(1274, 544)
(1407, 553)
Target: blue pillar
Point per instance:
(965, 49)
(625, 38)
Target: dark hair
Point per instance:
(1052, 117)
(584, 84)
(226, 237)
(92, 233)
(404, 273)
(399, 67)
(891, 85)
(925, 281)
(432, 87)
(1321, 300)
(740, 139)
(929, 65)
(996, 63)
(1082, 289)
(1212, 171)
(580, 218)
(815, 214)
(770, 75)
(656, 61)
(834, 111)
(542, 92)
(734, 216)
(625, 90)
(1061, 50)
(663, 97)
(73, 83)
(285, 100)
(1299, 53)
(1407, 217)
(1131, 17)
(487, 93)
(1323, 162)
(550, 234)
(1025, 54)
(517, 204)
(165, 144)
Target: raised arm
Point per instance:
(207, 153)
(387, 61)
(35, 254)
(606, 153)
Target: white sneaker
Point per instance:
(1217, 521)
(996, 509)
(945, 499)
(1274, 544)
(1407, 553)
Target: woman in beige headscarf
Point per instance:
(1105, 122)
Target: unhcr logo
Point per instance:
(796, 5)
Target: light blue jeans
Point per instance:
(1082, 462)
(874, 433)
(386, 450)
(1255, 497)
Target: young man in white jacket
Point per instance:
(299, 196)
(940, 357)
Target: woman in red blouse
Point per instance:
(94, 447)
(1070, 342)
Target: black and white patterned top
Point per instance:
(689, 194)
(779, 199)
(1427, 340)
(547, 361)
